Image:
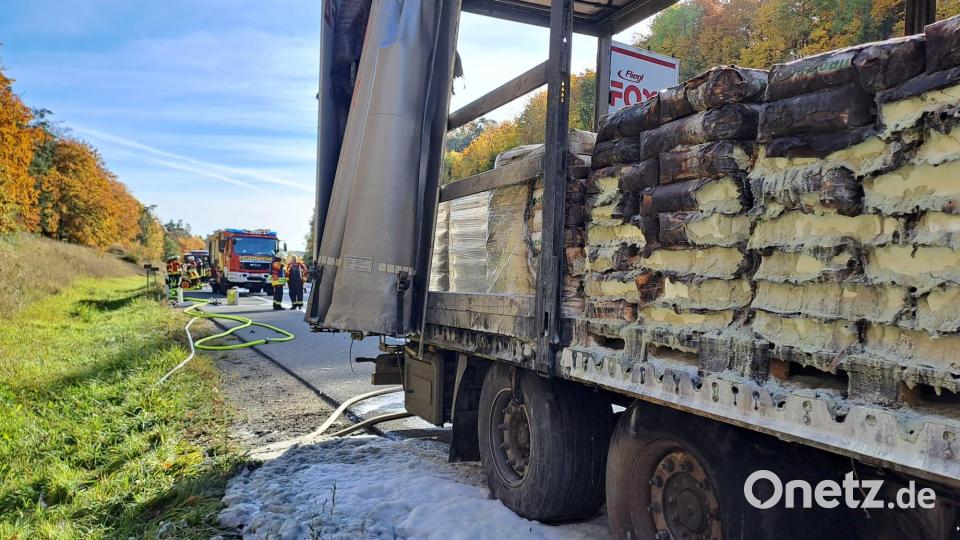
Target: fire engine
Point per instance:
(241, 258)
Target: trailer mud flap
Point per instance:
(423, 386)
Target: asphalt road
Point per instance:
(320, 360)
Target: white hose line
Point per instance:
(193, 352)
(343, 407)
(372, 421)
(317, 433)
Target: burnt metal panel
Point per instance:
(549, 276)
(919, 13)
(510, 174)
(593, 17)
(432, 157)
(603, 80)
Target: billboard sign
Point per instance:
(636, 75)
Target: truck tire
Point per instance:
(268, 288)
(672, 475)
(255, 289)
(543, 444)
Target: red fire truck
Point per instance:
(241, 258)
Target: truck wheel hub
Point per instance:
(683, 503)
(516, 435)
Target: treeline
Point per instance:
(760, 33)
(58, 186)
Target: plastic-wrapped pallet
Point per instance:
(507, 223)
(467, 243)
(440, 264)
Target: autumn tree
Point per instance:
(18, 141)
(760, 33)
(183, 237)
(460, 138)
(151, 234)
(528, 128)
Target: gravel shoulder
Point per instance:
(269, 404)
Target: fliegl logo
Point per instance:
(630, 75)
(852, 492)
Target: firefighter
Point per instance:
(278, 278)
(173, 271)
(296, 275)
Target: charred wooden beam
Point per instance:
(525, 83)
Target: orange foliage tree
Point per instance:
(18, 139)
(528, 128)
(59, 187)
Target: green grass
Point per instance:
(33, 267)
(89, 446)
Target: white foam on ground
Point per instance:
(385, 404)
(369, 487)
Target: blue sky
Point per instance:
(206, 108)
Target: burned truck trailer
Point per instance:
(756, 267)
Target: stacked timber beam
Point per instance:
(800, 224)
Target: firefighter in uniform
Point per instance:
(173, 272)
(278, 279)
(296, 274)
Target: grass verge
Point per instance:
(33, 267)
(89, 446)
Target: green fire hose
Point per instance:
(204, 343)
(245, 322)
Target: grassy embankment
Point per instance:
(32, 267)
(89, 446)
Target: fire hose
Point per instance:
(245, 322)
(204, 343)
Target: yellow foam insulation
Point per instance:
(807, 335)
(604, 260)
(714, 294)
(832, 300)
(799, 267)
(899, 115)
(861, 159)
(938, 147)
(796, 229)
(926, 187)
(938, 311)
(912, 347)
(603, 215)
(937, 229)
(610, 289)
(656, 316)
(717, 262)
(721, 196)
(607, 190)
(926, 269)
(718, 230)
(614, 235)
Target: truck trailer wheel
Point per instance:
(672, 475)
(543, 444)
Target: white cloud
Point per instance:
(189, 164)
